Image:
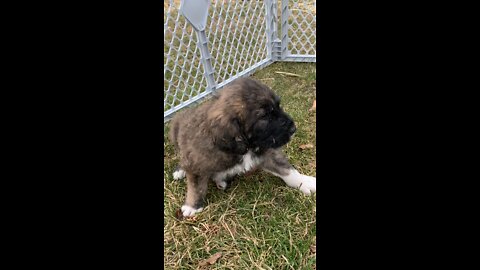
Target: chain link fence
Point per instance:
(208, 44)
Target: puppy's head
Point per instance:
(247, 116)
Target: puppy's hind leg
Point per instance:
(277, 164)
(179, 173)
(196, 191)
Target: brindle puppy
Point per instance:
(241, 128)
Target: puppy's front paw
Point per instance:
(188, 211)
(308, 185)
(221, 181)
(305, 183)
(222, 185)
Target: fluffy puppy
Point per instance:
(241, 128)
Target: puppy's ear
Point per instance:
(228, 136)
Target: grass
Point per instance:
(259, 222)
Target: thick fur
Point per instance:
(239, 129)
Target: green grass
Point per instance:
(259, 222)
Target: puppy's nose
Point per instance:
(292, 129)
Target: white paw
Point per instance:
(180, 174)
(308, 185)
(220, 180)
(188, 211)
(221, 185)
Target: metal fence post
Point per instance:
(271, 27)
(206, 59)
(285, 26)
(196, 11)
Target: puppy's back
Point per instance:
(188, 117)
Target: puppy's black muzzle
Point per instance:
(288, 123)
(274, 133)
(292, 129)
